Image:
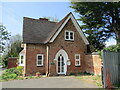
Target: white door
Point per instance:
(61, 65)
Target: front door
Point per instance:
(61, 64)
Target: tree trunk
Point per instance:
(118, 37)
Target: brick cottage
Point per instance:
(53, 48)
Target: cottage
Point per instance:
(53, 48)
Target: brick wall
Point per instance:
(31, 53)
(71, 47)
(12, 62)
(90, 63)
(93, 64)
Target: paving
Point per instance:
(49, 82)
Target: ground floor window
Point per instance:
(39, 59)
(77, 59)
(21, 60)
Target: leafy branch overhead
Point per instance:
(101, 20)
(4, 35)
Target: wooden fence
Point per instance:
(111, 69)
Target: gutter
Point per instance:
(47, 48)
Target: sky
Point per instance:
(13, 13)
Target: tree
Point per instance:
(101, 20)
(13, 48)
(4, 36)
(54, 19)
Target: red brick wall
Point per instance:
(93, 64)
(71, 47)
(12, 62)
(31, 54)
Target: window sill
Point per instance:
(40, 66)
(77, 66)
(21, 64)
(69, 40)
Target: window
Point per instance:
(69, 35)
(39, 59)
(21, 61)
(77, 59)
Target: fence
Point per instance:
(111, 69)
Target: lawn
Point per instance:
(95, 79)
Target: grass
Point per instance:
(21, 78)
(95, 79)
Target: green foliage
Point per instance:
(37, 72)
(87, 73)
(115, 48)
(17, 71)
(7, 76)
(101, 21)
(80, 73)
(72, 74)
(4, 36)
(13, 48)
(12, 73)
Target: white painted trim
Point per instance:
(77, 27)
(62, 26)
(37, 59)
(65, 55)
(69, 35)
(77, 60)
(20, 59)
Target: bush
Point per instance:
(11, 70)
(115, 48)
(72, 74)
(87, 73)
(12, 73)
(7, 76)
(17, 71)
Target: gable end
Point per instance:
(76, 26)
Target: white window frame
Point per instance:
(37, 59)
(77, 60)
(69, 35)
(21, 59)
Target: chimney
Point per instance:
(45, 19)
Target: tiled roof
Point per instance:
(39, 30)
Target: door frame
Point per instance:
(65, 56)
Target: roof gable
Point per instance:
(43, 31)
(70, 16)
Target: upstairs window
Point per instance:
(69, 35)
(77, 59)
(39, 59)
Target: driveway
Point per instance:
(49, 82)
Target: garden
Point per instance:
(16, 74)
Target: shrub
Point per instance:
(7, 76)
(87, 73)
(17, 71)
(72, 73)
(80, 73)
(11, 70)
(115, 48)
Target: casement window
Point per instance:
(39, 59)
(21, 60)
(77, 59)
(69, 35)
